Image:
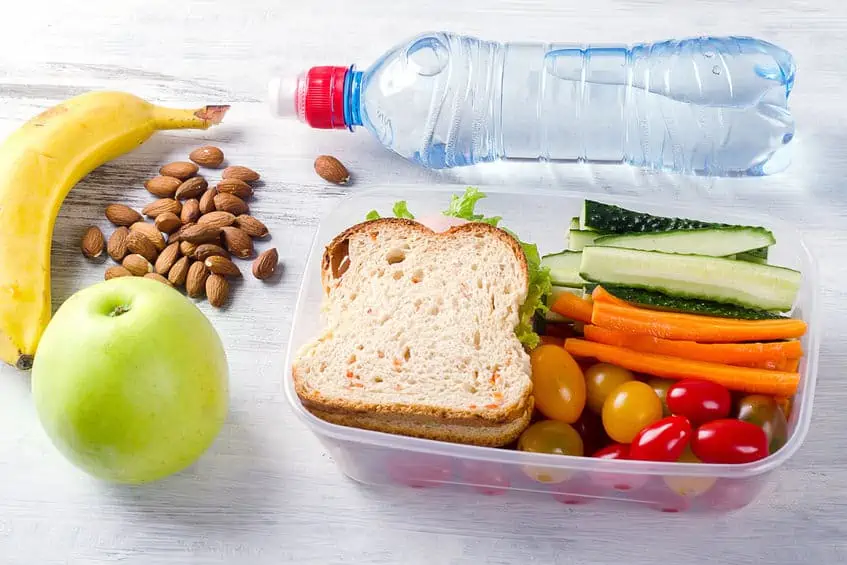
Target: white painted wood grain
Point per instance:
(266, 493)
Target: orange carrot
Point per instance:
(756, 381)
(762, 355)
(600, 294)
(573, 307)
(550, 340)
(694, 327)
(792, 364)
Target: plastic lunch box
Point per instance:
(377, 458)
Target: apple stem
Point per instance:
(118, 310)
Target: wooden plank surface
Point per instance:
(267, 492)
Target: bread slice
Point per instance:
(420, 333)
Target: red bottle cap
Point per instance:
(316, 97)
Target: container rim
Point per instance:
(437, 448)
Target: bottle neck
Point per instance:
(352, 98)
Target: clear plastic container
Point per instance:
(379, 459)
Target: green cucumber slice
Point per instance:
(574, 225)
(755, 256)
(718, 242)
(577, 239)
(658, 301)
(727, 281)
(564, 268)
(614, 219)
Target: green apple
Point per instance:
(130, 380)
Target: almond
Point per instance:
(192, 188)
(179, 169)
(162, 186)
(117, 243)
(137, 242)
(235, 186)
(251, 225)
(168, 222)
(240, 173)
(199, 233)
(179, 271)
(92, 242)
(207, 201)
(217, 219)
(265, 264)
(137, 265)
(217, 290)
(237, 242)
(177, 235)
(222, 266)
(161, 206)
(331, 169)
(187, 248)
(151, 232)
(121, 215)
(167, 258)
(207, 156)
(230, 203)
(190, 211)
(116, 271)
(207, 250)
(195, 282)
(158, 277)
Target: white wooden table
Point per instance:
(266, 492)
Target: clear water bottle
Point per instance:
(710, 106)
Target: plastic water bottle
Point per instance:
(710, 106)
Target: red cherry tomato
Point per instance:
(729, 441)
(664, 440)
(614, 451)
(699, 401)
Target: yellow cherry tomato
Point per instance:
(629, 408)
(550, 436)
(600, 380)
(689, 486)
(558, 384)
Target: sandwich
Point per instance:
(428, 324)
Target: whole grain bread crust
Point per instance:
(346, 410)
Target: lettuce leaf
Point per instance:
(540, 283)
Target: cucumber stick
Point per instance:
(577, 239)
(754, 256)
(718, 241)
(608, 218)
(557, 291)
(564, 268)
(658, 301)
(727, 281)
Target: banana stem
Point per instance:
(178, 118)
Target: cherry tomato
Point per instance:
(729, 441)
(765, 412)
(617, 481)
(664, 440)
(699, 401)
(689, 486)
(590, 428)
(558, 383)
(660, 387)
(629, 408)
(614, 451)
(550, 436)
(600, 380)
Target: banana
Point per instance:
(40, 163)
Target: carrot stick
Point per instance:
(792, 364)
(573, 307)
(762, 355)
(600, 294)
(756, 381)
(694, 327)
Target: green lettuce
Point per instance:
(540, 283)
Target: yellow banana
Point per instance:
(39, 164)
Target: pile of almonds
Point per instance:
(195, 233)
